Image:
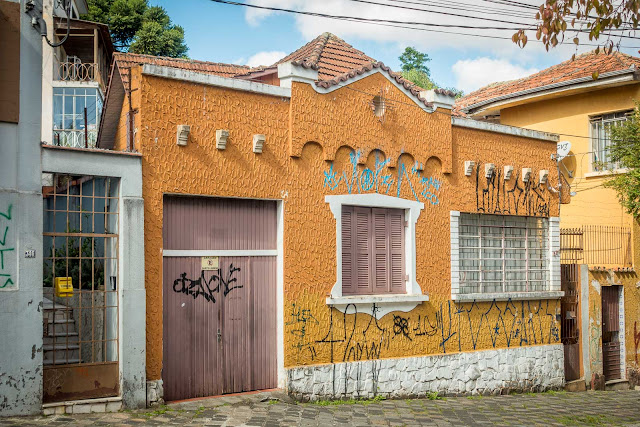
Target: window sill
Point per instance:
(383, 303)
(514, 296)
(596, 174)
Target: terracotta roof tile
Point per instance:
(335, 60)
(328, 54)
(126, 60)
(583, 66)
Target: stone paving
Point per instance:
(275, 409)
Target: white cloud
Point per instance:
(472, 74)
(436, 37)
(265, 58)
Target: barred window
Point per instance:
(502, 254)
(601, 139)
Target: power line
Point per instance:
(364, 20)
(396, 24)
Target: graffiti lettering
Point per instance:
(6, 248)
(422, 188)
(499, 196)
(299, 319)
(401, 326)
(355, 336)
(205, 287)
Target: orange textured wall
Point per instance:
(316, 127)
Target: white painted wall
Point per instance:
(20, 188)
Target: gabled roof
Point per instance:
(330, 55)
(564, 74)
(126, 60)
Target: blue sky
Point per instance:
(233, 34)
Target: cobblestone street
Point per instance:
(275, 409)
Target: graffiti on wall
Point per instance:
(207, 288)
(636, 339)
(423, 188)
(7, 250)
(595, 333)
(353, 336)
(496, 195)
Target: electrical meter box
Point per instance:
(63, 287)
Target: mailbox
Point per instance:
(63, 287)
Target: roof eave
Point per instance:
(612, 78)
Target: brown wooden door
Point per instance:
(610, 333)
(219, 325)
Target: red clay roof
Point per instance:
(126, 60)
(583, 66)
(330, 55)
(335, 60)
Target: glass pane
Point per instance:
(79, 110)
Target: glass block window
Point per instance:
(502, 254)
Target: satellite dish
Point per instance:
(563, 148)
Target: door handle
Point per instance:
(219, 335)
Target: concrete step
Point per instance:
(60, 326)
(575, 385)
(59, 337)
(615, 385)
(61, 351)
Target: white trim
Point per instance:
(622, 335)
(282, 375)
(504, 129)
(412, 212)
(377, 299)
(554, 290)
(554, 254)
(213, 80)
(506, 296)
(208, 252)
(611, 78)
(455, 252)
(596, 174)
(371, 72)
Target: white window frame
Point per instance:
(386, 302)
(553, 247)
(603, 119)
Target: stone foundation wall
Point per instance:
(535, 368)
(155, 393)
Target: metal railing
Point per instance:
(607, 246)
(75, 138)
(78, 71)
(597, 246)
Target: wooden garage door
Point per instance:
(219, 325)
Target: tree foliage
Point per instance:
(625, 153)
(414, 69)
(412, 59)
(139, 28)
(594, 17)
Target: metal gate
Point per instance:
(219, 296)
(571, 255)
(80, 297)
(610, 333)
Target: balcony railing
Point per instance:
(75, 138)
(597, 246)
(79, 72)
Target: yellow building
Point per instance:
(325, 226)
(565, 99)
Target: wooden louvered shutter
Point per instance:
(362, 242)
(380, 259)
(396, 250)
(348, 252)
